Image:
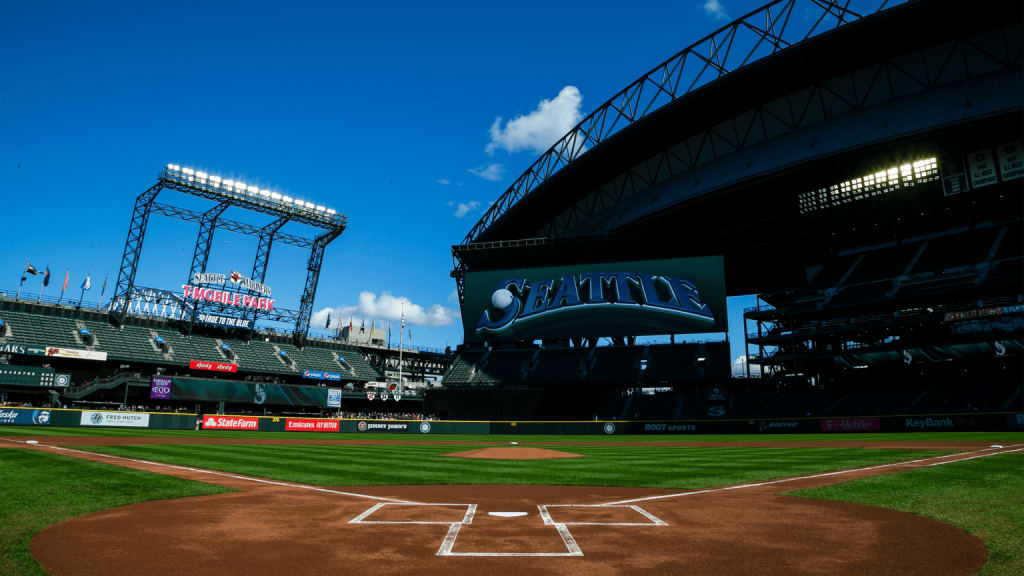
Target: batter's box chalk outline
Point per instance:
(651, 519)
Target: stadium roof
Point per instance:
(771, 28)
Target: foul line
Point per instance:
(973, 457)
(215, 473)
(821, 475)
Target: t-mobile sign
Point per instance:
(160, 388)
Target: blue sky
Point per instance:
(385, 111)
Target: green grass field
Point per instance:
(39, 489)
(652, 466)
(984, 496)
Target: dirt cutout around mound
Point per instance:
(275, 527)
(513, 453)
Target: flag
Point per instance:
(46, 277)
(66, 273)
(328, 325)
(104, 288)
(87, 283)
(30, 269)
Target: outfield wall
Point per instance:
(999, 421)
(96, 418)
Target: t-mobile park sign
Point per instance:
(196, 291)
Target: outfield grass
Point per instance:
(1001, 437)
(611, 465)
(39, 489)
(984, 496)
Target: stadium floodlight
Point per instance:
(239, 190)
(876, 183)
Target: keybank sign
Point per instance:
(620, 302)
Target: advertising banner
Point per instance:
(160, 388)
(225, 321)
(213, 422)
(116, 419)
(673, 296)
(77, 354)
(9, 416)
(212, 366)
(334, 397)
(311, 425)
(851, 425)
(320, 375)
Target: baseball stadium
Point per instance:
(857, 167)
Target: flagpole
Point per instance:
(40, 295)
(24, 271)
(64, 286)
(401, 342)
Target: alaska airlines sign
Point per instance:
(634, 299)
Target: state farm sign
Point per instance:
(230, 423)
(311, 425)
(214, 366)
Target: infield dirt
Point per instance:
(282, 528)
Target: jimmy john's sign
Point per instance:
(678, 296)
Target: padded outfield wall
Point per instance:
(992, 421)
(60, 417)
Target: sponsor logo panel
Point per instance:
(10, 416)
(212, 366)
(311, 425)
(851, 425)
(666, 427)
(321, 375)
(213, 422)
(115, 419)
(77, 354)
(334, 397)
(365, 426)
(160, 388)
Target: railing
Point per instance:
(68, 300)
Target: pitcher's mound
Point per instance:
(513, 454)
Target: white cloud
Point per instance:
(462, 209)
(492, 172)
(539, 129)
(715, 9)
(384, 307)
(443, 181)
(454, 296)
(739, 368)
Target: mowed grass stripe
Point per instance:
(661, 467)
(1000, 437)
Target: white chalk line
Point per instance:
(810, 476)
(974, 457)
(216, 473)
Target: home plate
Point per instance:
(507, 514)
(37, 442)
